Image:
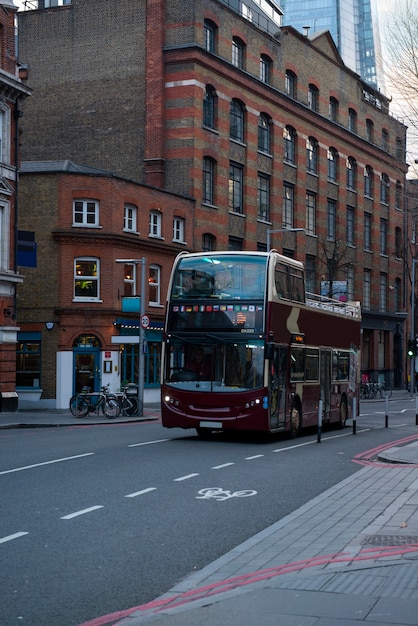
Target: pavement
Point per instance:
(345, 558)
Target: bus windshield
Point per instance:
(214, 366)
(220, 277)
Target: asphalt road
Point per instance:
(111, 517)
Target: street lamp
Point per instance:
(141, 372)
(413, 339)
(281, 230)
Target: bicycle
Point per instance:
(384, 390)
(128, 402)
(85, 402)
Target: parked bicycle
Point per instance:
(368, 391)
(128, 400)
(92, 402)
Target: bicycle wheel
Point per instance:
(130, 406)
(111, 407)
(79, 406)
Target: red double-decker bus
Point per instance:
(245, 348)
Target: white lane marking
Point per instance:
(139, 493)
(308, 443)
(147, 443)
(67, 458)
(77, 513)
(185, 477)
(11, 537)
(222, 466)
(256, 456)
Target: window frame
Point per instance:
(310, 213)
(331, 219)
(351, 169)
(289, 138)
(208, 171)
(312, 155)
(263, 193)
(264, 133)
(93, 278)
(210, 108)
(154, 284)
(236, 120)
(130, 221)
(85, 212)
(350, 225)
(210, 32)
(237, 54)
(368, 181)
(236, 187)
(288, 205)
(290, 84)
(266, 65)
(332, 163)
(313, 97)
(179, 229)
(155, 224)
(367, 231)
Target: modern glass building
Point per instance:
(350, 23)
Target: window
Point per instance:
(4, 236)
(369, 131)
(399, 151)
(367, 231)
(129, 280)
(289, 136)
(129, 218)
(28, 361)
(310, 213)
(398, 243)
(236, 176)
(288, 202)
(368, 181)
(208, 180)
(154, 284)
(290, 84)
(178, 230)
(155, 219)
(350, 282)
(333, 109)
(398, 195)
(235, 243)
(265, 69)
(385, 140)
(384, 189)
(351, 173)
(210, 35)
(4, 133)
(263, 198)
(383, 290)
(313, 97)
(383, 236)
(367, 282)
(86, 278)
(310, 273)
(209, 107)
(238, 47)
(312, 155)
(208, 242)
(350, 225)
(332, 156)
(352, 120)
(331, 219)
(236, 118)
(264, 133)
(85, 213)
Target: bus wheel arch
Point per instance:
(295, 418)
(343, 412)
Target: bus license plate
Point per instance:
(210, 425)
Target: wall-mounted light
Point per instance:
(49, 325)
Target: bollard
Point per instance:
(318, 440)
(386, 411)
(354, 415)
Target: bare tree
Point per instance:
(334, 259)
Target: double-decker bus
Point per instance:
(245, 348)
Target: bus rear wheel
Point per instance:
(343, 413)
(295, 421)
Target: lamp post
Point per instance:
(141, 369)
(281, 230)
(413, 358)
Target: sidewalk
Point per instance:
(347, 557)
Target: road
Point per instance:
(99, 519)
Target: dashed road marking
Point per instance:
(140, 493)
(11, 537)
(68, 458)
(82, 512)
(185, 477)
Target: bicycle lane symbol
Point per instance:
(217, 493)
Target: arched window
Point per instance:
(332, 156)
(210, 33)
(238, 48)
(290, 84)
(369, 130)
(398, 195)
(333, 109)
(368, 181)
(384, 189)
(351, 173)
(289, 136)
(313, 97)
(208, 194)
(264, 133)
(352, 120)
(312, 155)
(236, 117)
(265, 69)
(208, 242)
(209, 107)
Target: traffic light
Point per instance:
(412, 349)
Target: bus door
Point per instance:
(326, 383)
(277, 387)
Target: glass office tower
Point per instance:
(350, 24)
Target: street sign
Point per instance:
(145, 321)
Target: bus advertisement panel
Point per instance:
(246, 349)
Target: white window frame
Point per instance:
(91, 277)
(4, 235)
(155, 224)
(179, 230)
(154, 283)
(4, 133)
(82, 207)
(130, 215)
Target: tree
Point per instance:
(401, 64)
(333, 256)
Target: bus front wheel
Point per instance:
(295, 420)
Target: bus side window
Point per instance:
(280, 279)
(297, 291)
(297, 364)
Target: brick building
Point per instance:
(264, 128)
(12, 92)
